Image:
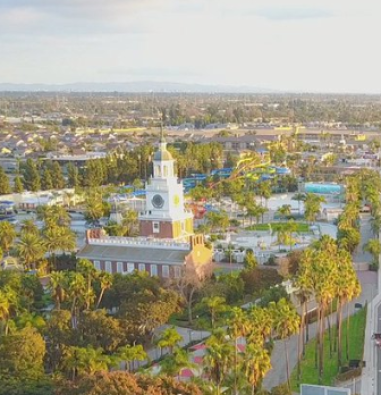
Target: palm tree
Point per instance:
(80, 360)
(218, 357)
(257, 364)
(129, 354)
(373, 246)
(305, 289)
(87, 269)
(28, 226)
(58, 285)
(31, 249)
(239, 326)
(286, 324)
(77, 293)
(5, 306)
(284, 211)
(105, 280)
(169, 338)
(7, 235)
(262, 322)
(173, 364)
(312, 206)
(215, 304)
(58, 238)
(375, 225)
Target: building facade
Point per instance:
(167, 246)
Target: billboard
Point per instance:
(307, 389)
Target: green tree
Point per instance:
(250, 261)
(286, 324)
(4, 183)
(173, 364)
(105, 281)
(7, 235)
(256, 364)
(31, 249)
(169, 338)
(215, 305)
(32, 181)
(312, 206)
(285, 211)
(373, 246)
(58, 285)
(47, 180)
(22, 356)
(18, 186)
(73, 176)
(130, 354)
(218, 357)
(57, 176)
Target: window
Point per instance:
(165, 271)
(97, 265)
(153, 270)
(119, 267)
(108, 268)
(177, 271)
(142, 267)
(130, 267)
(156, 227)
(182, 226)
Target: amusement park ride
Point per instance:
(252, 166)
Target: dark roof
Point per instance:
(134, 254)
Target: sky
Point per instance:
(286, 45)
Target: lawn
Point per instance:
(309, 374)
(301, 227)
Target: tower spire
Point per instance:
(162, 138)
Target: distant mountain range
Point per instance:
(133, 87)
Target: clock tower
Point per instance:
(165, 215)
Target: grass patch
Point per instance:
(309, 374)
(301, 227)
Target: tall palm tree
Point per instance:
(31, 249)
(257, 364)
(7, 235)
(284, 211)
(77, 293)
(169, 338)
(239, 326)
(218, 357)
(173, 364)
(286, 324)
(105, 280)
(58, 286)
(215, 304)
(4, 310)
(373, 246)
(29, 226)
(130, 354)
(87, 269)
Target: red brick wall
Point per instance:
(146, 229)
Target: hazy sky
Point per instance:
(307, 45)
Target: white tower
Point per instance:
(165, 215)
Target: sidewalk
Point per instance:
(368, 377)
